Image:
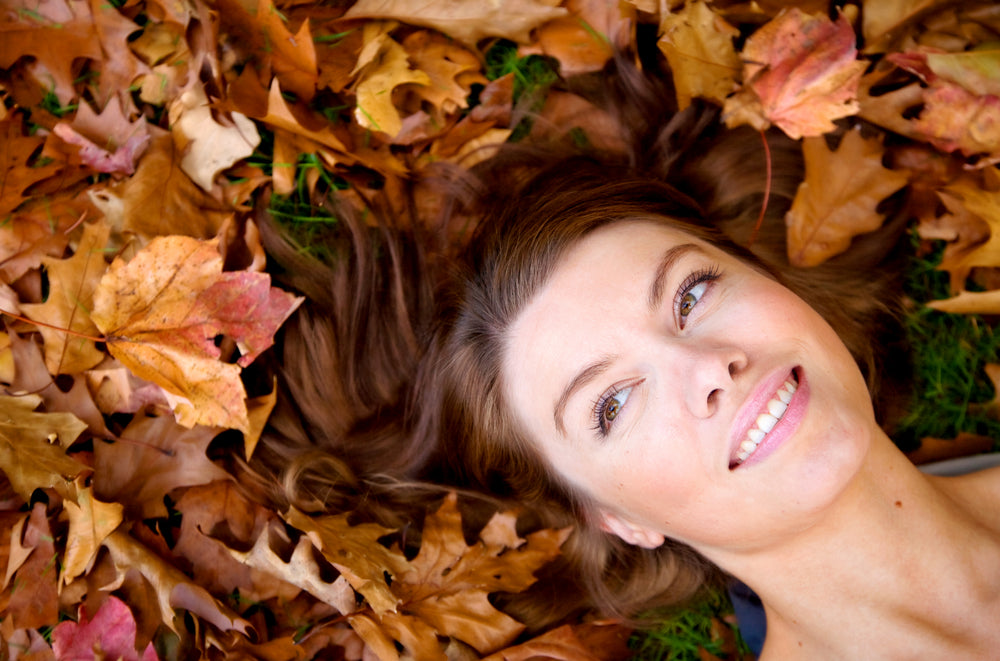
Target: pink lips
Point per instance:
(757, 403)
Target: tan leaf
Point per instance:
(451, 70)
(90, 522)
(468, 21)
(34, 602)
(986, 206)
(173, 588)
(29, 455)
(838, 198)
(161, 312)
(595, 641)
(882, 20)
(18, 169)
(71, 295)
(584, 41)
(152, 457)
(209, 146)
(800, 73)
(698, 45)
(356, 553)
(258, 411)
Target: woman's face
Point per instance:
(688, 394)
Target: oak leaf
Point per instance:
(586, 39)
(468, 21)
(111, 632)
(32, 445)
(839, 197)
(357, 554)
(800, 73)
(71, 293)
(34, 602)
(451, 70)
(390, 69)
(108, 141)
(594, 641)
(161, 312)
(173, 588)
(19, 168)
(965, 197)
(698, 44)
(90, 522)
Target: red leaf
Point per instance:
(110, 635)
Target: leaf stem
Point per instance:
(767, 190)
(58, 328)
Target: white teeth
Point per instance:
(776, 407)
(765, 422)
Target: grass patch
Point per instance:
(682, 634)
(949, 353)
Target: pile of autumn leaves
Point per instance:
(135, 139)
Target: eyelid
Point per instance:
(707, 274)
(597, 410)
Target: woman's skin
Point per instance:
(640, 369)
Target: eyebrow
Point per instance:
(653, 298)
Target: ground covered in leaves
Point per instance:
(136, 137)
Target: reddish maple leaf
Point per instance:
(801, 72)
(110, 635)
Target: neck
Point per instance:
(899, 562)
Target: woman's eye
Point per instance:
(609, 406)
(691, 298)
(691, 292)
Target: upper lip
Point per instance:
(753, 405)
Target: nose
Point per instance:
(709, 373)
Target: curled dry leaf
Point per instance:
(468, 21)
(162, 311)
(839, 197)
(390, 69)
(800, 73)
(90, 522)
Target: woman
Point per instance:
(636, 369)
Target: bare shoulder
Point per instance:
(978, 490)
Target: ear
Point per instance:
(629, 531)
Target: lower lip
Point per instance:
(785, 427)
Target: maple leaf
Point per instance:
(698, 45)
(173, 588)
(208, 145)
(153, 457)
(90, 522)
(838, 198)
(28, 457)
(71, 290)
(110, 632)
(161, 312)
(468, 21)
(801, 72)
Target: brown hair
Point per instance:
(391, 374)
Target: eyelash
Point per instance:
(601, 424)
(600, 408)
(709, 274)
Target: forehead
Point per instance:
(589, 305)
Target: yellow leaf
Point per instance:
(838, 198)
(390, 69)
(698, 45)
(90, 522)
(71, 296)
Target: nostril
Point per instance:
(712, 396)
(732, 368)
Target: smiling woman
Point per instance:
(611, 351)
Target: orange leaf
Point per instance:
(698, 45)
(162, 311)
(838, 198)
(801, 72)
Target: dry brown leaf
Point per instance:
(468, 21)
(90, 522)
(19, 168)
(698, 45)
(173, 588)
(71, 294)
(30, 455)
(153, 457)
(596, 641)
(390, 69)
(356, 553)
(986, 206)
(451, 70)
(585, 40)
(109, 141)
(838, 198)
(161, 312)
(34, 600)
(882, 20)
